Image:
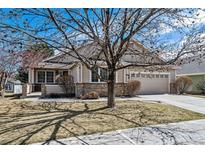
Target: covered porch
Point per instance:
(48, 74)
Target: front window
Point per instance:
(45, 77)
(41, 76)
(49, 77)
(102, 72)
(95, 74)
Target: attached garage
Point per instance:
(152, 82)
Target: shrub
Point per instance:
(66, 83)
(90, 95)
(133, 87)
(53, 95)
(201, 86)
(182, 84)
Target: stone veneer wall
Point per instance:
(43, 90)
(47, 90)
(173, 88)
(100, 88)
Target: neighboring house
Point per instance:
(13, 86)
(195, 69)
(43, 76)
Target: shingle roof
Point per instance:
(192, 68)
(92, 50)
(54, 65)
(14, 81)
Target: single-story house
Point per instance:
(195, 69)
(13, 86)
(45, 74)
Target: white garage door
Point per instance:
(152, 83)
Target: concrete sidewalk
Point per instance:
(76, 100)
(187, 102)
(190, 132)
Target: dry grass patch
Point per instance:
(29, 122)
(199, 96)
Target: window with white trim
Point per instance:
(99, 71)
(103, 75)
(166, 76)
(161, 76)
(94, 74)
(45, 76)
(41, 76)
(49, 77)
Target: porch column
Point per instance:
(31, 75)
(24, 90)
(125, 75)
(116, 76)
(90, 75)
(78, 73)
(81, 73)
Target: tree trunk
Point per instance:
(2, 92)
(111, 89)
(3, 81)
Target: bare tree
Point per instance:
(8, 63)
(30, 58)
(105, 36)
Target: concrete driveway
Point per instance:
(187, 102)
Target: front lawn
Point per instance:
(29, 122)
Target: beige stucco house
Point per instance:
(43, 77)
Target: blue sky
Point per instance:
(166, 32)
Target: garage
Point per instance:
(152, 82)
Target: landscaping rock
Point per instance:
(90, 95)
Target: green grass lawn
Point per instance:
(24, 122)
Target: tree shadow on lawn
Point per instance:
(47, 115)
(13, 96)
(50, 115)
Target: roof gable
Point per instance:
(91, 50)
